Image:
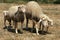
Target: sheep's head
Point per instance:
(5, 13)
(50, 22)
(22, 8)
(46, 22)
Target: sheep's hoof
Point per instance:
(37, 33)
(32, 30)
(16, 32)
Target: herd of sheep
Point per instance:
(30, 11)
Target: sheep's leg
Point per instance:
(27, 23)
(4, 22)
(42, 28)
(36, 26)
(5, 27)
(33, 26)
(15, 24)
(21, 27)
(9, 22)
(47, 29)
(37, 30)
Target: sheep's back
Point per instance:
(35, 8)
(12, 10)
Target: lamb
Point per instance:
(34, 12)
(16, 14)
(6, 17)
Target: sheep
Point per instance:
(6, 17)
(18, 17)
(16, 14)
(34, 12)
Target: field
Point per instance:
(51, 10)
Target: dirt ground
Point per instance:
(51, 10)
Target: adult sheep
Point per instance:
(16, 14)
(34, 12)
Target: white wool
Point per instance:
(12, 10)
(35, 8)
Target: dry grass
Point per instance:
(53, 11)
